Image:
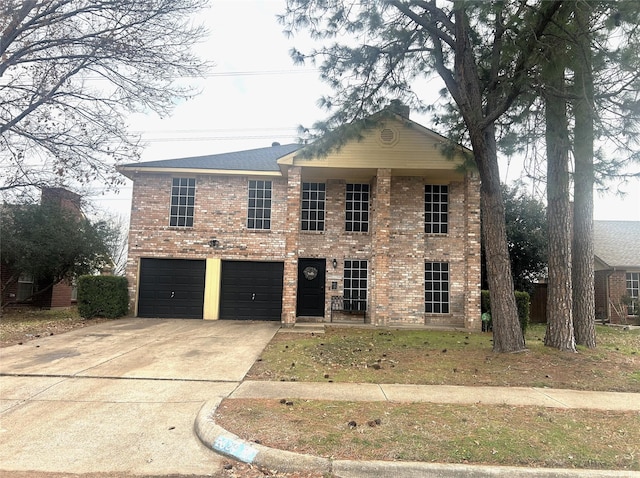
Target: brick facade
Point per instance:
(396, 160)
(396, 246)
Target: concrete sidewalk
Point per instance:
(367, 392)
(228, 444)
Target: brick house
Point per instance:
(22, 291)
(617, 270)
(386, 229)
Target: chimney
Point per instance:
(398, 107)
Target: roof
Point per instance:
(617, 243)
(261, 159)
(269, 161)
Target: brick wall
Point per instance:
(610, 287)
(618, 289)
(395, 248)
(220, 213)
(61, 295)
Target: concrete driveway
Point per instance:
(122, 396)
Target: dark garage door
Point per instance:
(251, 290)
(171, 288)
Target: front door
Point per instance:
(311, 274)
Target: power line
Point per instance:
(214, 130)
(226, 74)
(216, 138)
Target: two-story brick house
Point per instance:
(386, 222)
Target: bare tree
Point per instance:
(70, 72)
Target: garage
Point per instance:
(251, 290)
(171, 288)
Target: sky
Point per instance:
(255, 95)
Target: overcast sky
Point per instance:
(254, 95)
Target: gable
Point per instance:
(403, 146)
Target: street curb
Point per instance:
(227, 444)
(374, 469)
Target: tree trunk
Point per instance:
(507, 333)
(583, 252)
(559, 332)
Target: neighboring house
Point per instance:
(21, 292)
(386, 226)
(617, 270)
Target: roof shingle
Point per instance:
(617, 243)
(261, 159)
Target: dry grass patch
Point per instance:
(19, 325)
(478, 434)
(374, 355)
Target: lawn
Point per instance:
(471, 434)
(475, 434)
(20, 325)
(377, 355)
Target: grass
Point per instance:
(478, 434)
(19, 325)
(453, 358)
(475, 434)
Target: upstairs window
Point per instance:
(259, 209)
(436, 209)
(436, 288)
(183, 197)
(357, 208)
(313, 203)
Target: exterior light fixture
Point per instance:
(214, 242)
(335, 263)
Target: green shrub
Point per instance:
(523, 301)
(103, 296)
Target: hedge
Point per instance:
(103, 296)
(523, 302)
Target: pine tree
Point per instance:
(482, 51)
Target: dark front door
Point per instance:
(251, 290)
(311, 273)
(171, 288)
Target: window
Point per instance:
(25, 287)
(313, 198)
(355, 285)
(183, 196)
(436, 288)
(259, 210)
(357, 208)
(436, 209)
(633, 289)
